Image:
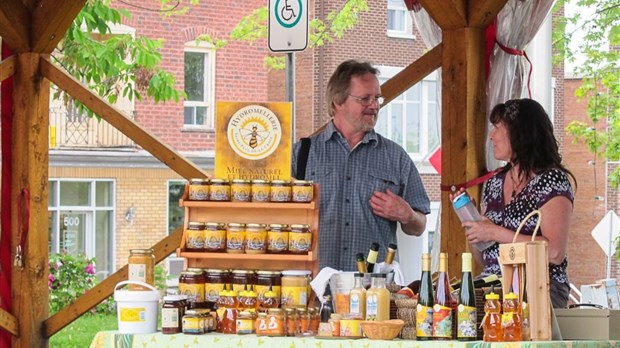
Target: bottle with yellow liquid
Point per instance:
(424, 309)
(378, 299)
(442, 309)
(357, 297)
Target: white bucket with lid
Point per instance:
(136, 309)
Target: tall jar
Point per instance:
(268, 280)
(240, 190)
(277, 238)
(215, 282)
(261, 190)
(256, 238)
(300, 239)
(280, 191)
(235, 238)
(198, 189)
(195, 236)
(141, 267)
(215, 237)
(220, 190)
(192, 284)
(242, 279)
(295, 288)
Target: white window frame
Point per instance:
(423, 154)
(209, 103)
(407, 32)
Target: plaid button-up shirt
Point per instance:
(347, 179)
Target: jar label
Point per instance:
(442, 321)
(193, 325)
(280, 194)
(245, 326)
(235, 240)
(220, 193)
(169, 317)
(466, 322)
(215, 240)
(294, 296)
(241, 193)
(277, 241)
(256, 240)
(212, 291)
(195, 239)
(137, 272)
(129, 314)
(262, 289)
(260, 193)
(198, 192)
(302, 193)
(424, 321)
(299, 242)
(350, 327)
(195, 292)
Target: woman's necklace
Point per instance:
(514, 184)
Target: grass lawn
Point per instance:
(80, 333)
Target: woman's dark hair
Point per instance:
(534, 146)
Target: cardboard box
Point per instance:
(589, 323)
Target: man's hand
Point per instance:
(389, 205)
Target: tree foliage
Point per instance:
(600, 70)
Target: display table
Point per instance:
(113, 339)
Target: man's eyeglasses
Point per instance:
(366, 101)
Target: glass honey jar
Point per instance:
(220, 190)
(235, 238)
(141, 268)
(302, 191)
(300, 239)
(240, 190)
(195, 236)
(260, 190)
(277, 238)
(215, 237)
(198, 189)
(280, 191)
(256, 238)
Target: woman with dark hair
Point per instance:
(533, 179)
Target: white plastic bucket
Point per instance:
(136, 309)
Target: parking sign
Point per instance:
(288, 25)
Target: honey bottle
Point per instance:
(512, 323)
(492, 321)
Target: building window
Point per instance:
(176, 214)
(81, 220)
(412, 119)
(399, 23)
(199, 85)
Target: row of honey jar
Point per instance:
(251, 238)
(241, 190)
(249, 289)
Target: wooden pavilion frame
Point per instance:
(33, 28)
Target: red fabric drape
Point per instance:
(6, 105)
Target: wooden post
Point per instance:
(29, 194)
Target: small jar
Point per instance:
(304, 320)
(260, 326)
(240, 190)
(295, 288)
(195, 236)
(220, 190)
(300, 239)
(350, 325)
(268, 280)
(334, 321)
(242, 280)
(215, 282)
(209, 319)
(192, 284)
(172, 311)
(245, 323)
(302, 191)
(141, 268)
(277, 238)
(315, 319)
(235, 238)
(256, 238)
(275, 322)
(198, 189)
(215, 237)
(280, 191)
(291, 322)
(260, 190)
(193, 323)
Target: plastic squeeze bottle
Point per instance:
(492, 321)
(467, 211)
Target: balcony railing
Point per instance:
(71, 129)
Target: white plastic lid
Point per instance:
(295, 272)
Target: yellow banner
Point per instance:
(253, 140)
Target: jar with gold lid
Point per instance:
(220, 190)
(260, 190)
(192, 284)
(215, 237)
(141, 268)
(291, 322)
(240, 190)
(235, 238)
(300, 239)
(172, 311)
(277, 238)
(275, 322)
(193, 322)
(256, 238)
(280, 191)
(198, 189)
(302, 191)
(195, 236)
(266, 281)
(295, 288)
(242, 279)
(215, 282)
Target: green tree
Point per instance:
(599, 68)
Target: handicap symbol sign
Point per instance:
(288, 12)
(288, 25)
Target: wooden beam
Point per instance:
(448, 14)
(8, 322)
(50, 21)
(105, 289)
(7, 68)
(482, 12)
(463, 128)
(127, 126)
(29, 199)
(15, 25)
(412, 74)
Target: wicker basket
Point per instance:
(382, 330)
(406, 310)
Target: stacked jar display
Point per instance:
(243, 190)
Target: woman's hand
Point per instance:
(480, 231)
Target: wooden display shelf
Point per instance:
(252, 212)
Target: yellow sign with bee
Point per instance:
(253, 140)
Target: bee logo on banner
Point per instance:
(253, 141)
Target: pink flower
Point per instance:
(90, 269)
(50, 281)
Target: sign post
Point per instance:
(288, 25)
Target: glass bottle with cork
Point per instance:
(372, 257)
(466, 310)
(424, 309)
(442, 309)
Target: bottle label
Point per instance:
(137, 272)
(294, 296)
(442, 321)
(170, 317)
(371, 306)
(424, 321)
(466, 322)
(354, 303)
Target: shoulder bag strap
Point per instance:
(302, 160)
